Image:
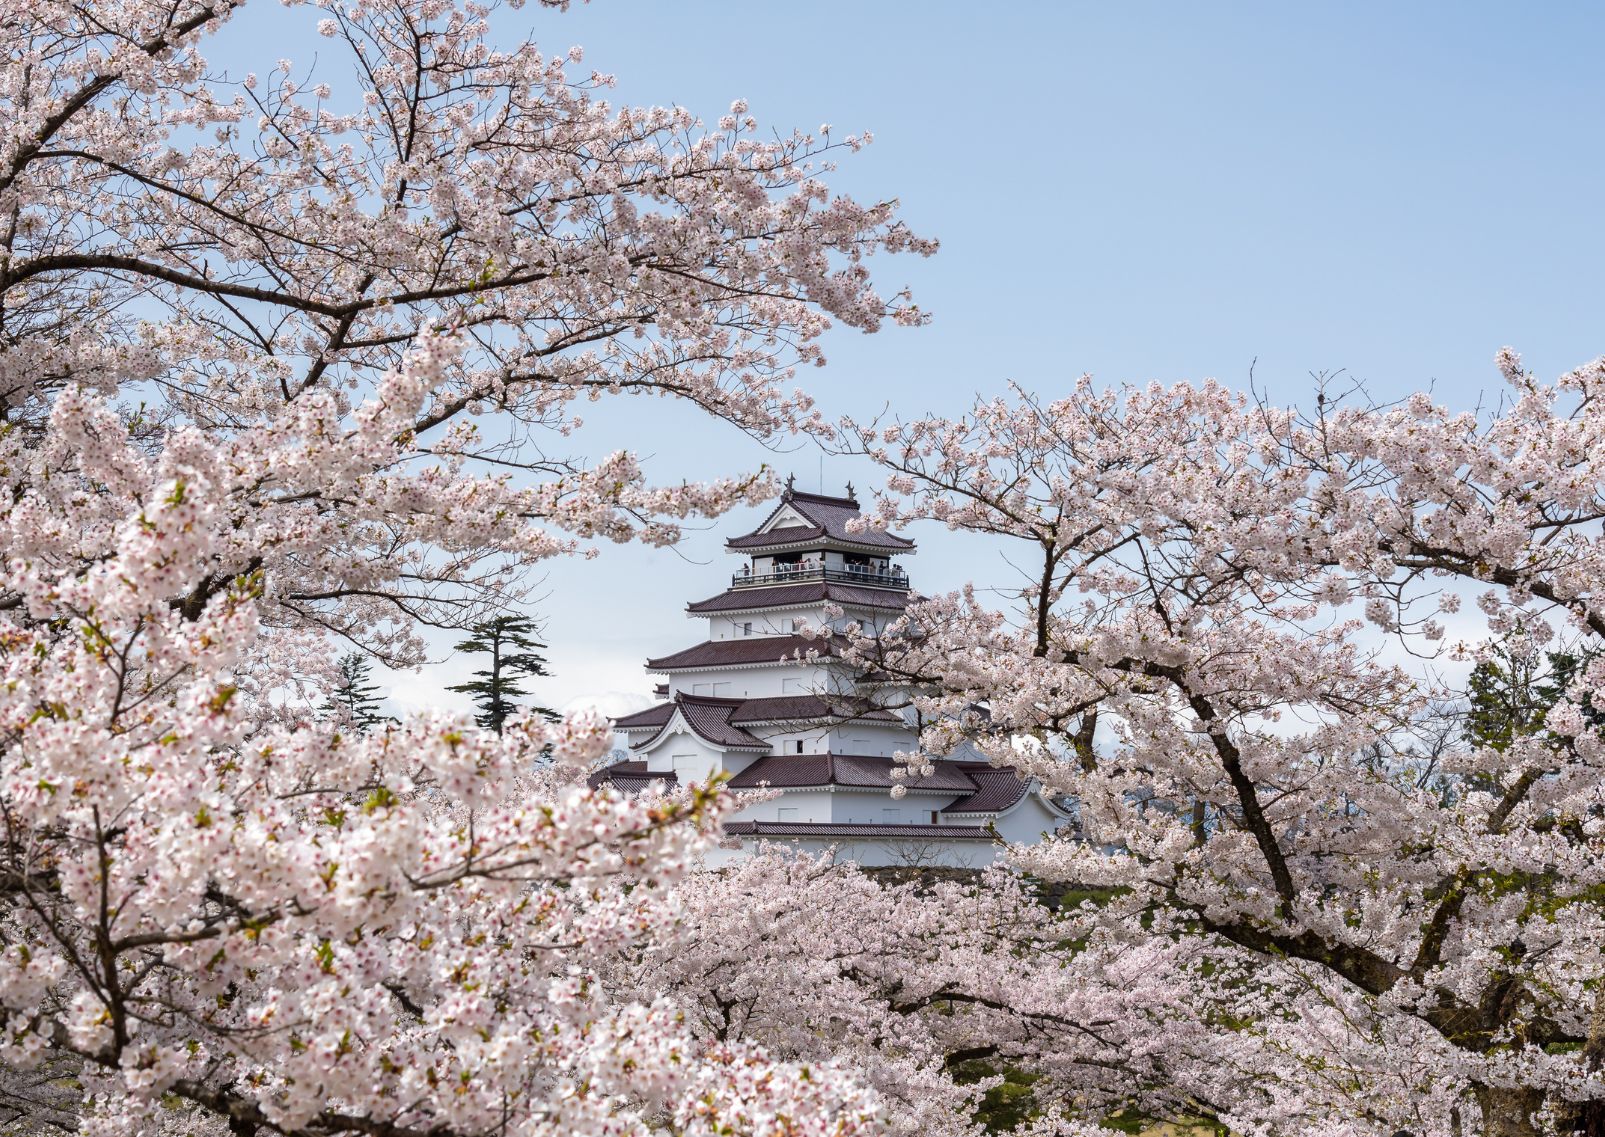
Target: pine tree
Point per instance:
(1510, 694)
(355, 699)
(515, 654)
(1508, 698)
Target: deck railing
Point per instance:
(868, 578)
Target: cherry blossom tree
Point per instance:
(933, 993)
(252, 261)
(247, 325)
(1237, 625)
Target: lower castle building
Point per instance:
(774, 709)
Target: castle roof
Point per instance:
(827, 519)
(997, 789)
(756, 650)
(794, 595)
(709, 720)
(795, 771)
(782, 708)
(630, 777)
(985, 789)
(652, 716)
(787, 708)
(857, 829)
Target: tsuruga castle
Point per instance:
(774, 709)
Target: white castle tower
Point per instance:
(744, 703)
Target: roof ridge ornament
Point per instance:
(791, 487)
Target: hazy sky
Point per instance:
(1142, 191)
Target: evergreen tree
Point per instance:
(355, 697)
(514, 654)
(1509, 694)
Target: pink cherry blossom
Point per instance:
(1414, 921)
(253, 332)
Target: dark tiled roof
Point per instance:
(860, 770)
(722, 653)
(785, 535)
(785, 770)
(634, 784)
(792, 707)
(652, 716)
(785, 595)
(856, 829)
(784, 708)
(709, 718)
(792, 771)
(829, 515)
(999, 788)
(629, 777)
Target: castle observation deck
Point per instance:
(803, 573)
(811, 538)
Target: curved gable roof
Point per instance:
(810, 708)
(640, 720)
(795, 771)
(997, 788)
(851, 829)
(630, 777)
(708, 719)
(829, 517)
(774, 708)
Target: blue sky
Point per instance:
(1142, 191)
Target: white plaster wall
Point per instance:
(870, 739)
(685, 754)
(764, 623)
(787, 622)
(750, 682)
(874, 739)
(870, 806)
(792, 805)
(879, 807)
(736, 761)
(722, 688)
(814, 741)
(1026, 822)
(869, 623)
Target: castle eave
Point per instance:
(749, 598)
(758, 651)
(828, 519)
(859, 830)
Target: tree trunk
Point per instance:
(1584, 1119)
(1508, 1112)
(1587, 1118)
